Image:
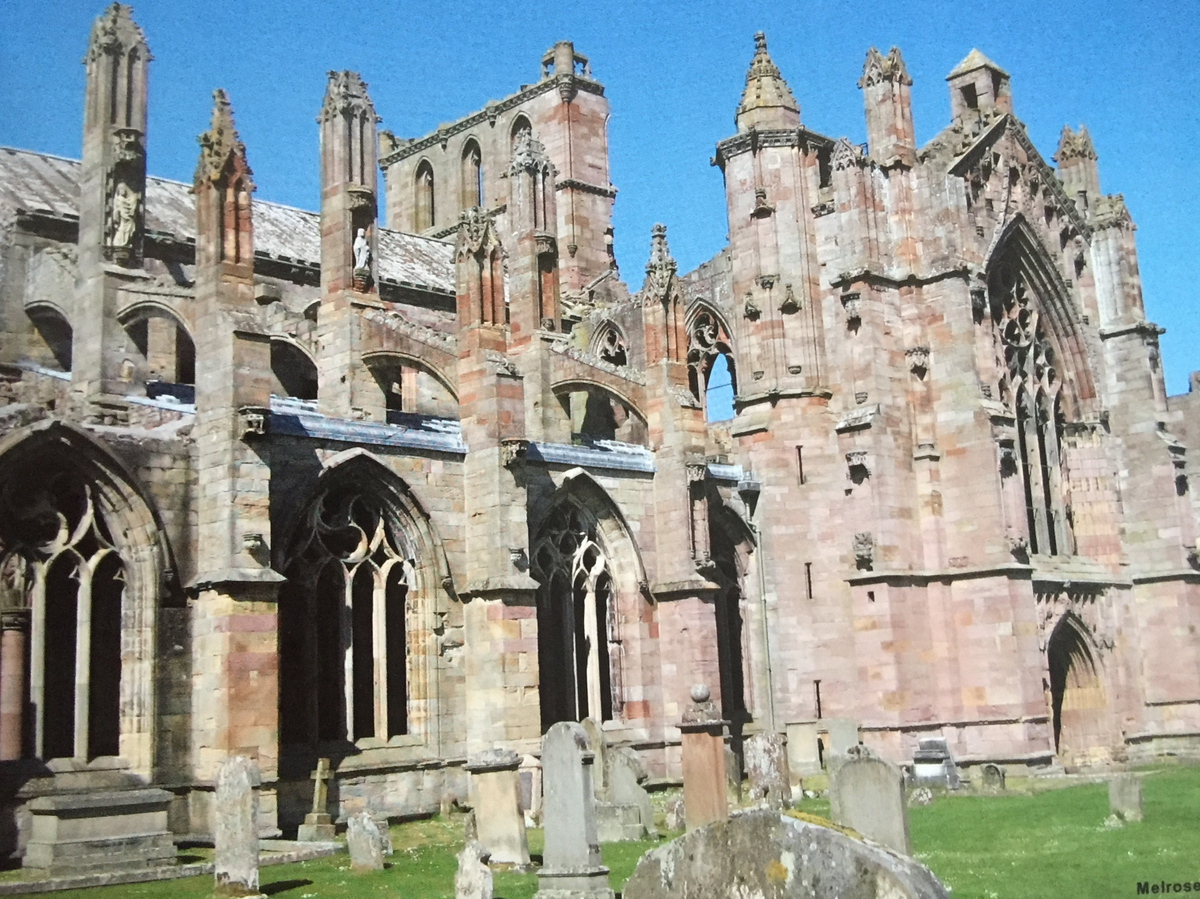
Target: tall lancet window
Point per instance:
(343, 631)
(424, 209)
(1030, 383)
(576, 618)
(472, 175)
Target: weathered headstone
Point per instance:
(626, 775)
(992, 778)
(571, 858)
(703, 738)
(762, 852)
(365, 843)
(767, 769)
(803, 750)
(235, 829)
(933, 765)
(622, 807)
(676, 818)
(1125, 797)
(867, 794)
(385, 834)
(318, 825)
(843, 736)
(496, 797)
(473, 879)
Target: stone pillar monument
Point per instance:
(703, 761)
(571, 867)
(235, 830)
(496, 798)
(14, 637)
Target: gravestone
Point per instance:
(496, 798)
(867, 795)
(803, 750)
(318, 825)
(364, 842)
(765, 853)
(571, 858)
(626, 775)
(676, 818)
(703, 738)
(622, 806)
(842, 737)
(235, 829)
(992, 778)
(473, 879)
(933, 765)
(767, 769)
(1125, 797)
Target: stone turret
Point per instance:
(112, 196)
(885, 85)
(235, 587)
(978, 86)
(767, 101)
(533, 218)
(349, 249)
(1076, 158)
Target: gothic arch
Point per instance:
(54, 326)
(417, 362)
(1076, 693)
(593, 590)
(471, 174)
(709, 336)
(294, 368)
(730, 545)
(170, 356)
(367, 578)
(82, 548)
(424, 197)
(610, 344)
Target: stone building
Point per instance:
(294, 485)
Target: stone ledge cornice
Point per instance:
(752, 140)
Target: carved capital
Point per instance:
(864, 550)
(512, 451)
(918, 360)
(696, 472)
(852, 303)
(252, 421)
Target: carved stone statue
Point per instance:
(362, 251)
(124, 214)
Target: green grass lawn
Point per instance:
(1031, 843)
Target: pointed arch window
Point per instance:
(424, 207)
(609, 345)
(1030, 383)
(472, 175)
(60, 568)
(712, 371)
(577, 622)
(344, 622)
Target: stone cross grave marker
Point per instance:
(703, 740)
(571, 859)
(318, 825)
(365, 843)
(867, 794)
(767, 768)
(473, 879)
(1125, 797)
(496, 797)
(235, 829)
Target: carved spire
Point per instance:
(115, 33)
(661, 267)
(346, 94)
(845, 155)
(767, 101)
(220, 146)
(1076, 158)
(1074, 146)
(878, 68)
(978, 86)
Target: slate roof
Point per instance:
(39, 182)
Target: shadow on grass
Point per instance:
(282, 886)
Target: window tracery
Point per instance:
(610, 345)
(1030, 385)
(578, 642)
(343, 622)
(708, 339)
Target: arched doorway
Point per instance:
(1078, 707)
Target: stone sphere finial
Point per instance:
(700, 693)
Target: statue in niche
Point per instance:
(362, 252)
(124, 215)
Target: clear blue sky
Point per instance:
(673, 74)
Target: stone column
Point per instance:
(703, 761)
(495, 795)
(14, 635)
